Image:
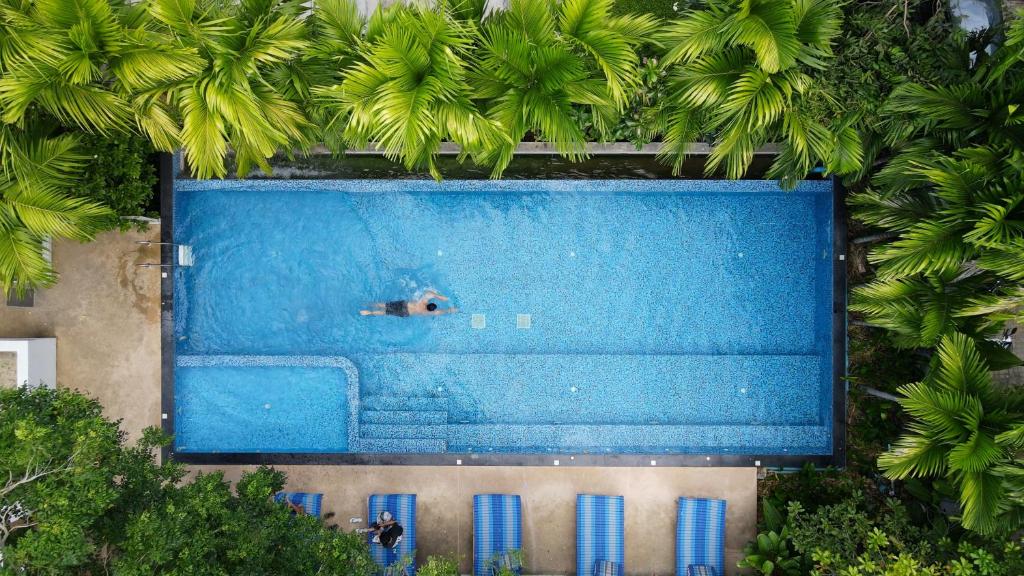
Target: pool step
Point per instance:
(405, 403)
(809, 439)
(404, 431)
(398, 446)
(403, 424)
(404, 417)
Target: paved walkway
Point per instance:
(104, 313)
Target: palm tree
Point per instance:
(981, 111)
(231, 100)
(965, 430)
(540, 59)
(65, 66)
(923, 309)
(738, 76)
(35, 171)
(407, 88)
(947, 210)
(93, 65)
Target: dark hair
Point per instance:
(431, 306)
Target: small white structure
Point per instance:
(35, 360)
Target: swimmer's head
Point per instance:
(431, 306)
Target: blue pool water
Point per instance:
(664, 316)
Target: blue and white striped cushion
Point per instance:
(600, 531)
(700, 534)
(403, 508)
(700, 570)
(309, 501)
(497, 528)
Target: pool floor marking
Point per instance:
(524, 321)
(478, 321)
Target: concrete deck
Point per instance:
(8, 370)
(104, 313)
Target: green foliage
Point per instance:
(538, 60)
(843, 529)
(884, 556)
(947, 210)
(634, 124)
(439, 566)
(874, 423)
(920, 311)
(234, 50)
(952, 193)
(203, 525)
(70, 481)
(255, 78)
(949, 189)
(78, 501)
(739, 72)
(859, 536)
(663, 9)
(770, 552)
(812, 488)
(118, 174)
(968, 431)
(884, 45)
(515, 559)
(36, 171)
(408, 89)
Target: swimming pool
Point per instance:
(596, 316)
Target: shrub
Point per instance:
(119, 174)
(439, 566)
(75, 500)
(770, 553)
(843, 529)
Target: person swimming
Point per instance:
(405, 308)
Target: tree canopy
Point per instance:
(76, 499)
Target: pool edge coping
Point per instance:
(839, 356)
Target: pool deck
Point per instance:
(105, 314)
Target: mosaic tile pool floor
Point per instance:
(595, 316)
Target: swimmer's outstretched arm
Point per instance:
(431, 293)
(439, 312)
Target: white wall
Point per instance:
(36, 360)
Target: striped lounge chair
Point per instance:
(700, 537)
(600, 535)
(497, 529)
(310, 502)
(403, 508)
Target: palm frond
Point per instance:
(927, 247)
(22, 264)
(696, 34)
(891, 211)
(707, 80)
(203, 135)
(1006, 261)
(981, 501)
(768, 28)
(913, 455)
